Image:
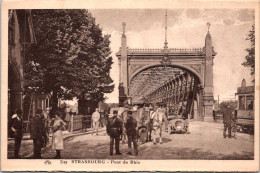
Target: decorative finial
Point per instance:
(208, 24)
(124, 24)
(165, 42)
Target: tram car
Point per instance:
(244, 112)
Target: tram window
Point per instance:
(250, 102)
(241, 102)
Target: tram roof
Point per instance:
(245, 90)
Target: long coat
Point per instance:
(114, 127)
(17, 124)
(37, 127)
(130, 126)
(57, 137)
(227, 116)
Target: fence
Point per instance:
(80, 121)
(77, 122)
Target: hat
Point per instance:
(19, 111)
(129, 112)
(115, 112)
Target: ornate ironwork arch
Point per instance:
(184, 67)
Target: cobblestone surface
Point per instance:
(204, 142)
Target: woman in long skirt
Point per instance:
(57, 137)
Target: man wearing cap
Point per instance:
(17, 130)
(131, 132)
(114, 129)
(227, 120)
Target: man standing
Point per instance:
(152, 114)
(114, 129)
(68, 113)
(131, 132)
(227, 120)
(37, 133)
(95, 121)
(17, 129)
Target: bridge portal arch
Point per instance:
(195, 61)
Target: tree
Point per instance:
(250, 57)
(224, 104)
(71, 57)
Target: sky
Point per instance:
(186, 29)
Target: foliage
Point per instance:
(250, 57)
(224, 104)
(71, 57)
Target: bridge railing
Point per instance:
(171, 50)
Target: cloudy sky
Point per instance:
(186, 29)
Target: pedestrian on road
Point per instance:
(114, 129)
(68, 118)
(152, 114)
(227, 120)
(95, 121)
(131, 131)
(38, 133)
(17, 131)
(57, 137)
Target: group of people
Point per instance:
(39, 132)
(115, 131)
(148, 120)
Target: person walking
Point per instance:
(68, 118)
(114, 130)
(152, 114)
(17, 131)
(38, 133)
(95, 121)
(57, 137)
(227, 120)
(131, 131)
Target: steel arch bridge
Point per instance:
(168, 75)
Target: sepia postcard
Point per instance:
(129, 85)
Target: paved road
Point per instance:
(204, 142)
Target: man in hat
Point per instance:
(38, 134)
(114, 129)
(227, 120)
(131, 125)
(17, 130)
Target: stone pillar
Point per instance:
(208, 98)
(16, 100)
(123, 74)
